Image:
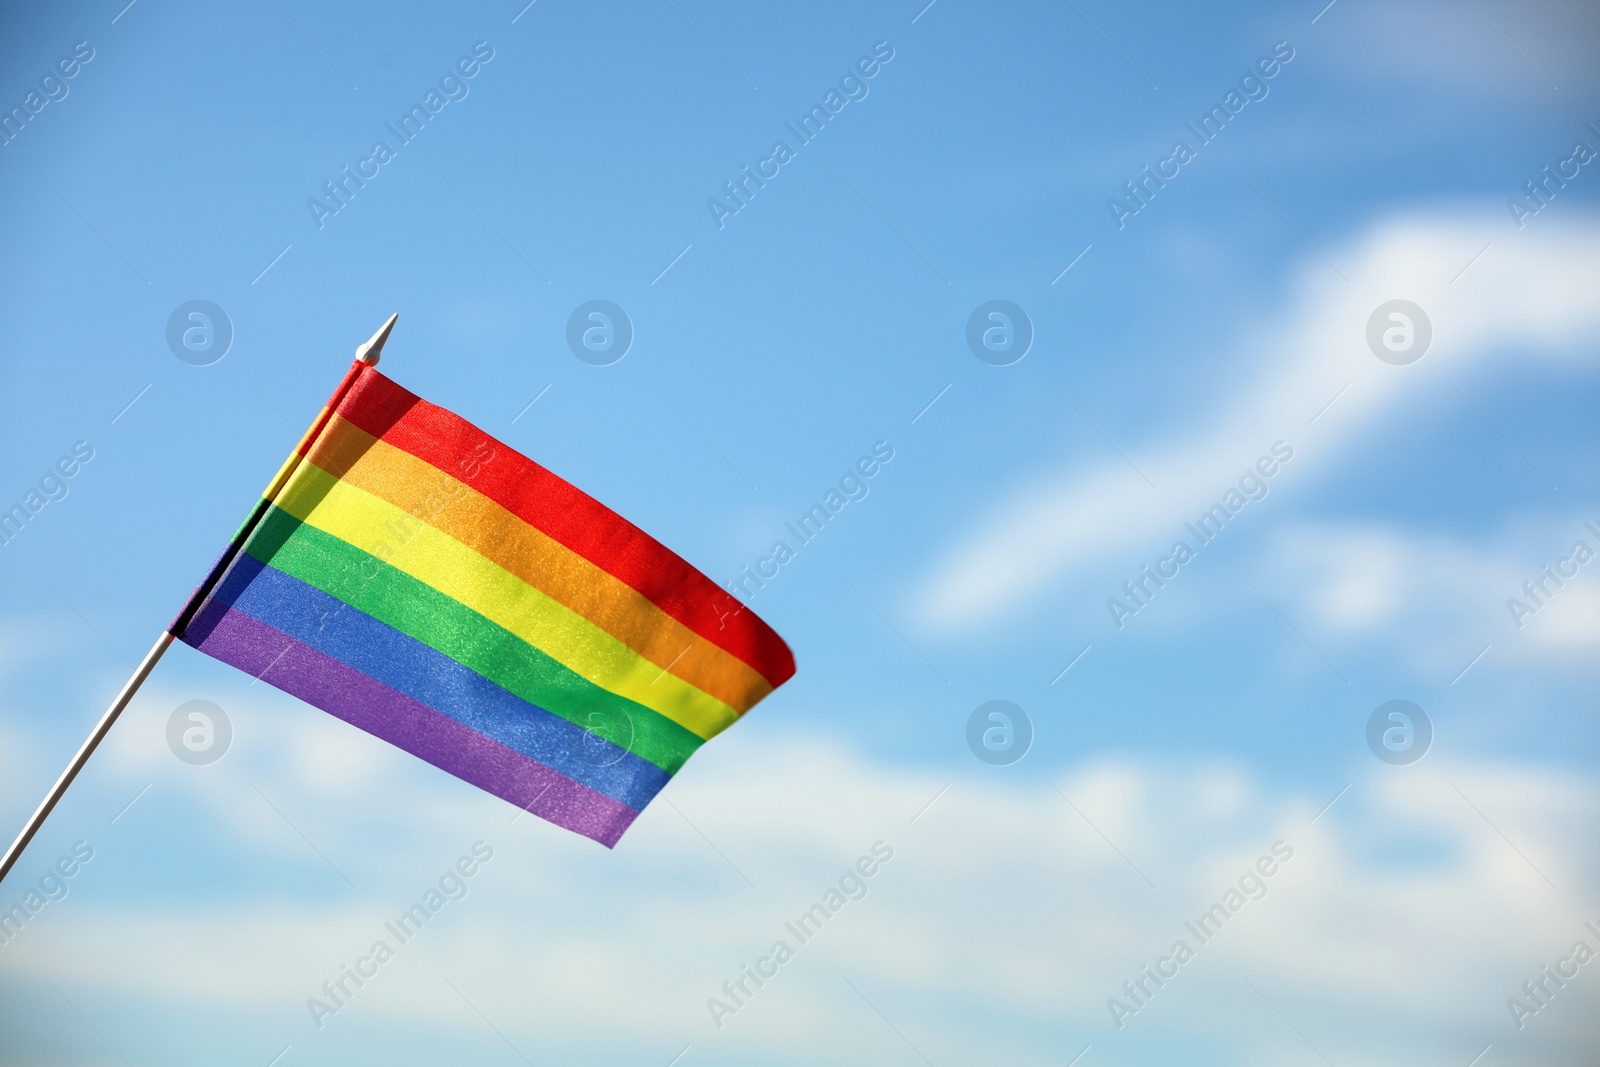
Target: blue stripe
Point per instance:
(379, 651)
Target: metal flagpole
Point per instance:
(367, 353)
(140, 673)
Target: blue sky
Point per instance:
(1169, 355)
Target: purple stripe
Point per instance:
(346, 693)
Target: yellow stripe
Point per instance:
(276, 485)
(289, 464)
(450, 505)
(410, 545)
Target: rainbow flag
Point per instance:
(413, 576)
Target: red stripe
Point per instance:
(568, 515)
(349, 378)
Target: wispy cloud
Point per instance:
(559, 937)
(1528, 293)
(1368, 581)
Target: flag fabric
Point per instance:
(413, 576)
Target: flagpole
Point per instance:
(368, 353)
(140, 673)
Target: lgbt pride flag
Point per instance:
(413, 576)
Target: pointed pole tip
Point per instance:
(373, 349)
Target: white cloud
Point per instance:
(1437, 598)
(1528, 290)
(1001, 899)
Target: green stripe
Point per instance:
(446, 625)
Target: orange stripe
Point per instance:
(566, 513)
(472, 519)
